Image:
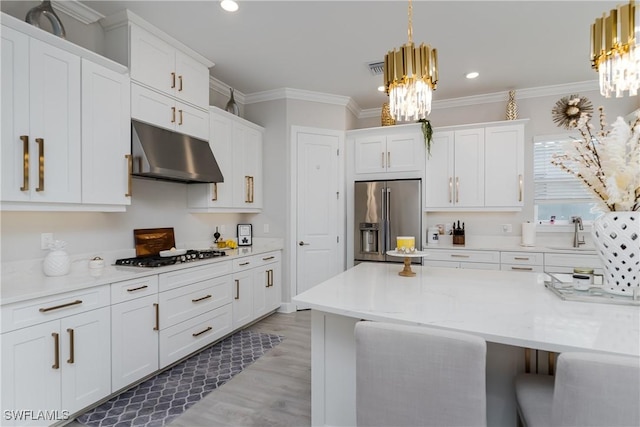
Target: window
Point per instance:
(558, 194)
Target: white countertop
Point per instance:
(512, 308)
(31, 283)
(493, 243)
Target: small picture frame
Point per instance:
(245, 235)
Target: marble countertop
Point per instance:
(26, 284)
(512, 308)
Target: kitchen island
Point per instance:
(511, 311)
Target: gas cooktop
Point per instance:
(161, 261)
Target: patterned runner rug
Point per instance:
(159, 400)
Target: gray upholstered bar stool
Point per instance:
(419, 376)
(588, 390)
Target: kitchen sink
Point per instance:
(571, 249)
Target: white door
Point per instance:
(318, 206)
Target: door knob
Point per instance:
(301, 243)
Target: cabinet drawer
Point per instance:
(191, 275)
(463, 256)
(132, 289)
(268, 258)
(187, 337)
(522, 267)
(180, 304)
(528, 258)
(245, 263)
(27, 313)
(570, 260)
(480, 265)
(435, 263)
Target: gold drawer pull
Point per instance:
(179, 83)
(268, 258)
(129, 158)
(520, 188)
(25, 163)
(208, 328)
(173, 80)
(237, 289)
(459, 256)
(40, 142)
(214, 192)
(457, 189)
(522, 268)
(139, 288)
(180, 113)
(201, 298)
(388, 159)
(242, 264)
(157, 308)
(173, 114)
(450, 190)
(521, 258)
(71, 346)
(56, 350)
(57, 307)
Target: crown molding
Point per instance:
(299, 94)
(535, 92)
(78, 11)
(223, 89)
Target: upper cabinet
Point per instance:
(387, 152)
(476, 168)
(237, 146)
(63, 113)
(170, 82)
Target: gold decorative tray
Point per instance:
(561, 284)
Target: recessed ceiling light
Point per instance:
(472, 75)
(229, 5)
(380, 88)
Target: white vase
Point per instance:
(616, 236)
(57, 262)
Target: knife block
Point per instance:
(458, 237)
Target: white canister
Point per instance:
(57, 261)
(433, 236)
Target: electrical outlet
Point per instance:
(265, 228)
(507, 228)
(45, 240)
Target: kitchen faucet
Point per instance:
(577, 221)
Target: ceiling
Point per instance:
(325, 46)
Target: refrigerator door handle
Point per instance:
(387, 222)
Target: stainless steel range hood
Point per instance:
(171, 156)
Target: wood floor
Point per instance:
(273, 391)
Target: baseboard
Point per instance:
(287, 307)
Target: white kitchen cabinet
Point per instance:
(383, 153)
(243, 297)
(522, 261)
(159, 65)
(106, 135)
(61, 365)
(504, 166)
(155, 108)
(463, 258)
(237, 147)
(566, 262)
(454, 176)
(40, 121)
(267, 284)
(134, 330)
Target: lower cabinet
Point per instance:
(59, 367)
(460, 258)
(522, 261)
(242, 297)
(565, 262)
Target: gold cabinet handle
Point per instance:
(270, 277)
(214, 192)
(519, 188)
(40, 142)
(267, 277)
(251, 193)
(173, 80)
(450, 190)
(57, 307)
(207, 329)
(459, 256)
(129, 158)
(521, 258)
(179, 83)
(457, 189)
(382, 155)
(522, 268)
(268, 258)
(139, 288)
(156, 306)
(237, 289)
(180, 114)
(388, 159)
(71, 346)
(201, 298)
(25, 163)
(173, 114)
(249, 189)
(244, 263)
(56, 350)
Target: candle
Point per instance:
(405, 243)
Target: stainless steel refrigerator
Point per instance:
(383, 211)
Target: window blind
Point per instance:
(552, 184)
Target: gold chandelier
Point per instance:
(613, 50)
(410, 77)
